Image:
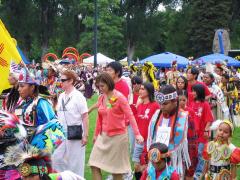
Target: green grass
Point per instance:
(92, 120)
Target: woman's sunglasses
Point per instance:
(63, 80)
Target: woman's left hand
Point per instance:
(139, 139)
(84, 140)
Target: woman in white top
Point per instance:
(72, 110)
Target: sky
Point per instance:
(162, 8)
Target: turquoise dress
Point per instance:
(37, 111)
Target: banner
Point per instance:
(8, 52)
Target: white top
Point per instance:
(75, 107)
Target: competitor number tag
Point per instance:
(163, 135)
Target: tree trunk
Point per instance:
(130, 51)
(45, 27)
(77, 28)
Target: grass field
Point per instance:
(92, 119)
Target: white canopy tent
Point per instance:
(101, 59)
(124, 60)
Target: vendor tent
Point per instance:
(165, 60)
(101, 59)
(213, 58)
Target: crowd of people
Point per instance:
(170, 123)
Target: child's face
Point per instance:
(182, 101)
(194, 94)
(159, 165)
(223, 132)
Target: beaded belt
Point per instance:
(217, 169)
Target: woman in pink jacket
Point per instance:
(111, 148)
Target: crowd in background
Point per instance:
(179, 128)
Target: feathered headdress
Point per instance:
(222, 65)
(133, 67)
(10, 128)
(27, 77)
(29, 159)
(14, 70)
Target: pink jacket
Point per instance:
(115, 116)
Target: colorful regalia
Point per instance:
(148, 73)
(231, 99)
(217, 102)
(221, 158)
(32, 161)
(173, 74)
(10, 128)
(164, 174)
(178, 146)
(34, 112)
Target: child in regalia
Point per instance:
(221, 157)
(158, 167)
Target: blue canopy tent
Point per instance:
(165, 60)
(213, 58)
(24, 58)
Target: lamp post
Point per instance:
(95, 32)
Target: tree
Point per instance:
(110, 35)
(207, 16)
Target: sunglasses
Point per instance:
(63, 80)
(135, 83)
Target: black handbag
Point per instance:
(74, 132)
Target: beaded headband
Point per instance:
(161, 98)
(228, 123)
(26, 170)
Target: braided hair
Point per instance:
(12, 98)
(167, 90)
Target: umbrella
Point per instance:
(213, 58)
(165, 60)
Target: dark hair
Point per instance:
(210, 75)
(150, 89)
(200, 92)
(117, 67)
(136, 80)
(163, 69)
(39, 163)
(12, 98)
(162, 148)
(106, 79)
(182, 93)
(39, 68)
(43, 90)
(220, 68)
(167, 89)
(185, 82)
(194, 71)
(226, 76)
